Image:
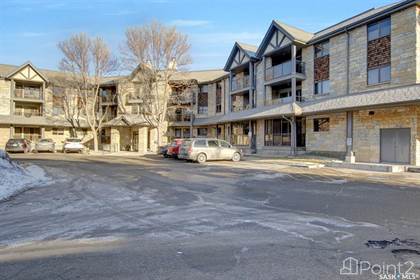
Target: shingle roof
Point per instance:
(296, 33)
(249, 49)
(201, 76)
(381, 97)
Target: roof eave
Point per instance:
(364, 21)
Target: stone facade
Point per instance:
(367, 126)
(338, 62)
(332, 141)
(5, 95)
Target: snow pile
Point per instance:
(14, 178)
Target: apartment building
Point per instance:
(348, 91)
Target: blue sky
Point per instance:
(30, 29)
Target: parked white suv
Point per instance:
(73, 145)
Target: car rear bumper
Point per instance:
(15, 149)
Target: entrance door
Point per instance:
(135, 141)
(300, 132)
(148, 139)
(395, 145)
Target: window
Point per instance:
(277, 133)
(224, 144)
(202, 132)
(322, 49)
(178, 132)
(379, 75)
(322, 87)
(321, 124)
(186, 133)
(200, 143)
(379, 29)
(213, 143)
(203, 110)
(203, 100)
(58, 131)
(240, 132)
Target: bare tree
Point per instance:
(88, 60)
(158, 51)
(66, 103)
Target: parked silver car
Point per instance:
(45, 145)
(203, 149)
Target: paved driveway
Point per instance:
(152, 218)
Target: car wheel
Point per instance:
(201, 158)
(236, 157)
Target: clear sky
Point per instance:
(30, 29)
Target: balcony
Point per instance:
(31, 93)
(240, 83)
(183, 98)
(28, 111)
(108, 99)
(240, 108)
(283, 69)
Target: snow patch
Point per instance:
(264, 176)
(15, 178)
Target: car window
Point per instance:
(200, 143)
(74, 140)
(213, 143)
(45, 140)
(225, 144)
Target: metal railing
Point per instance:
(240, 83)
(181, 118)
(27, 114)
(283, 69)
(240, 108)
(28, 93)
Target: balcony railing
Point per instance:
(283, 69)
(240, 83)
(28, 93)
(179, 117)
(109, 99)
(27, 114)
(274, 101)
(240, 108)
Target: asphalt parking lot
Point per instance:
(109, 217)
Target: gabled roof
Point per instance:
(28, 63)
(127, 120)
(249, 50)
(203, 76)
(294, 34)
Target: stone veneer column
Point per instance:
(142, 144)
(115, 140)
(349, 138)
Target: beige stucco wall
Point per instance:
(333, 140)
(5, 88)
(4, 135)
(366, 130)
